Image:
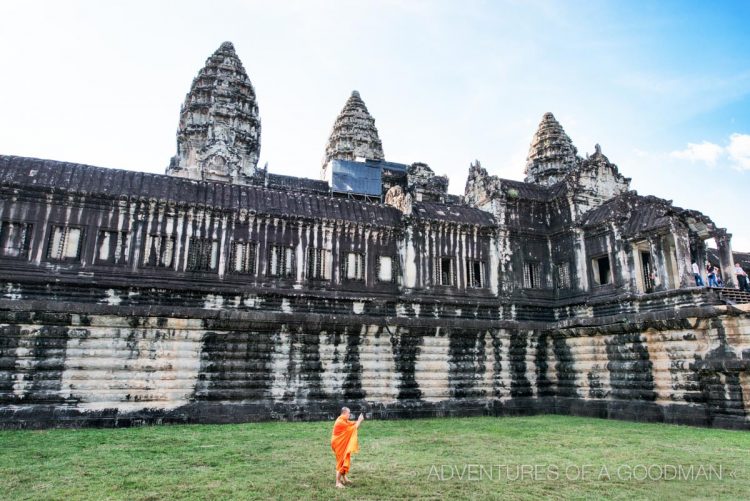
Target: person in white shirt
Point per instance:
(697, 275)
(741, 277)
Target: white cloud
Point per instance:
(705, 152)
(739, 150)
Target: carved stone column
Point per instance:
(662, 269)
(698, 254)
(682, 255)
(726, 262)
(581, 276)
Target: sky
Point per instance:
(663, 86)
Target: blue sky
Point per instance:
(664, 87)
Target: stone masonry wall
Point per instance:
(111, 365)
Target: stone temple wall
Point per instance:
(105, 364)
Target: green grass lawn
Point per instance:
(519, 458)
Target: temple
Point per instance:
(221, 292)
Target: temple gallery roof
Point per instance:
(531, 191)
(461, 214)
(86, 180)
(641, 214)
(281, 182)
(285, 196)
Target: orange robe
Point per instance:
(344, 443)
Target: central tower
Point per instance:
(354, 134)
(218, 138)
(551, 154)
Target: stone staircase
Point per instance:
(734, 296)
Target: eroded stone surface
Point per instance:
(551, 155)
(219, 132)
(354, 134)
(130, 298)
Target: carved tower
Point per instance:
(354, 134)
(551, 155)
(218, 138)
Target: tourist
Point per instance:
(344, 443)
(719, 281)
(741, 277)
(697, 275)
(711, 274)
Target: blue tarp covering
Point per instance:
(360, 178)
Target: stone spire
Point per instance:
(354, 134)
(218, 137)
(551, 155)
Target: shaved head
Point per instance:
(345, 410)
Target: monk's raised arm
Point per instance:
(360, 419)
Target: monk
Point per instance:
(344, 443)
